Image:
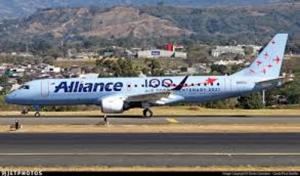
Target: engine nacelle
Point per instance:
(112, 105)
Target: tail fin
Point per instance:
(269, 61)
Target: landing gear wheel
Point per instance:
(37, 114)
(147, 113)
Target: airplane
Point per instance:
(116, 95)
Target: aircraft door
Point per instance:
(227, 85)
(44, 88)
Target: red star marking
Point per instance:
(277, 60)
(258, 62)
(270, 65)
(264, 71)
(211, 80)
(266, 55)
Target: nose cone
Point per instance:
(10, 98)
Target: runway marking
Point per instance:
(172, 120)
(149, 154)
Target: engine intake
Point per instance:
(112, 105)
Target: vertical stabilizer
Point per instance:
(269, 61)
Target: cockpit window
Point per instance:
(25, 87)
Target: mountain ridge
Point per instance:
(151, 26)
(13, 9)
(115, 22)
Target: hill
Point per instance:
(11, 9)
(151, 25)
(237, 24)
(112, 23)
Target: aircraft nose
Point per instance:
(10, 97)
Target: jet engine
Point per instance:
(112, 105)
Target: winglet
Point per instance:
(180, 86)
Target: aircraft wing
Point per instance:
(159, 98)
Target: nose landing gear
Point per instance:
(24, 111)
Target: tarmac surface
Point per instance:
(118, 120)
(235, 149)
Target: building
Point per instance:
(51, 69)
(239, 49)
(231, 62)
(170, 51)
(158, 53)
(227, 49)
(89, 76)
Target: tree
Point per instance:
(252, 101)
(3, 83)
(219, 69)
(125, 68)
(292, 92)
(222, 104)
(155, 67)
(118, 68)
(248, 50)
(3, 79)
(48, 60)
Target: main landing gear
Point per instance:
(37, 114)
(37, 109)
(147, 113)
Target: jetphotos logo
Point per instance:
(77, 86)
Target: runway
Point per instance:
(136, 120)
(235, 149)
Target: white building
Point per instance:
(157, 53)
(51, 69)
(227, 49)
(89, 76)
(239, 49)
(231, 62)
